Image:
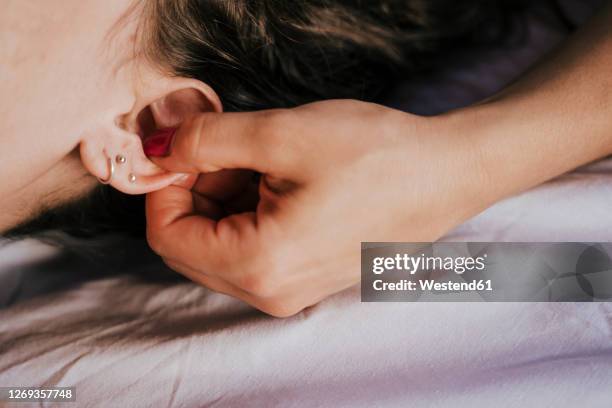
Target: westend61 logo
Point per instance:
(413, 264)
(486, 271)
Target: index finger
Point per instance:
(176, 231)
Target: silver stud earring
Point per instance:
(111, 172)
(120, 159)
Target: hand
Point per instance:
(335, 173)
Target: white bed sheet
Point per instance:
(128, 341)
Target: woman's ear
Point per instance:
(113, 151)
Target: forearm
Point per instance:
(554, 119)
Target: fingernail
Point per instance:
(158, 144)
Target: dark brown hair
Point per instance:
(260, 54)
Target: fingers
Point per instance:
(261, 141)
(223, 185)
(175, 231)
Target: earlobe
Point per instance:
(114, 153)
(116, 157)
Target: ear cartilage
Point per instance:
(111, 172)
(120, 159)
(132, 178)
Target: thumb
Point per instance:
(212, 141)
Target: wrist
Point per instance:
(455, 167)
(556, 118)
(482, 136)
(518, 142)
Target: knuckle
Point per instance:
(260, 283)
(261, 279)
(194, 143)
(281, 307)
(264, 128)
(191, 147)
(279, 128)
(274, 124)
(171, 264)
(155, 240)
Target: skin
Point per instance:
(72, 83)
(340, 172)
(31, 66)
